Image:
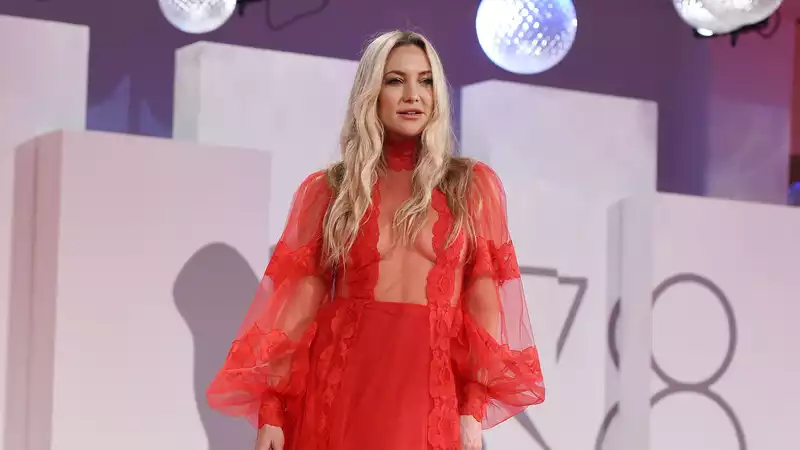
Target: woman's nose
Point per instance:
(411, 94)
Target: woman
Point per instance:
(391, 315)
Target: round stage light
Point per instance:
(197, 16)
(526, 36)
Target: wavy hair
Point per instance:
(361, 144)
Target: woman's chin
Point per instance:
(405, 132)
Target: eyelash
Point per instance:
(425, 81)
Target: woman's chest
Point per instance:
(391, 228)
(404, 225)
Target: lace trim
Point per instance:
(290, 264)
(475, 401)
(443, 425)
(517, 364)
(401, 156)
(511, 377)
(497, 262)
(345, 322)
(271, 412)
(332, 362)
(268, 367)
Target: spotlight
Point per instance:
(197, 16)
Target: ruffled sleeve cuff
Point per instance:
(271, 412)
(474, 401)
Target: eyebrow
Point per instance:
(402, 73)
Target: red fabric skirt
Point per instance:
(383, 400)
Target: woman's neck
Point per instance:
(400, 154)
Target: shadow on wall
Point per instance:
(212, 293)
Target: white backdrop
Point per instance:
(724, 280)
(146, 256)
(33, 100)
(289, 104)
(560, 179)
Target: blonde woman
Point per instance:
(391, 315)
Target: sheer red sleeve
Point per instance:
(268, 361)
(495, 358)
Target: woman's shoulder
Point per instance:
(323, 182)
(474, 170)
(314, 184)
(314, 179)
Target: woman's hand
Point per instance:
(270, 438)
(470, 434)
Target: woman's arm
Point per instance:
(494, 355)
(268, 360)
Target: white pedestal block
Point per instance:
(43, 85)
(565, 157)
(709, 323)
(144, 256)
(291, 105)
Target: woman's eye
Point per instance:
(394, 81)
(427, 81)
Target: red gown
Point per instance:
(389, 352)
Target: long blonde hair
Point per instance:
(361, 143)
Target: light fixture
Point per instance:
(197, 16)
(716, 18)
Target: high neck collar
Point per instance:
(401, 155)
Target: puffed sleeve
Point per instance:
(494, 356)
(268, 361)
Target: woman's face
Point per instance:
(406, 99)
